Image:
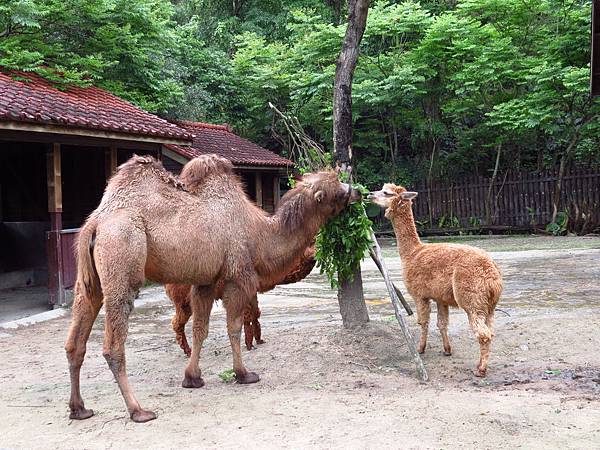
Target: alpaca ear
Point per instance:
(319, 196)
(408, 195)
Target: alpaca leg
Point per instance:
(202, 299)
(443, 318)
(235, 300)
(84, 313)
(183, 312)
(484, 336)
(423, 313)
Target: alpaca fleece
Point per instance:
(449, 274)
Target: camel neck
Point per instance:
(283, 243)
(405, 230)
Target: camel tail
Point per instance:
(87, 276)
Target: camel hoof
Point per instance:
(421, 351)
(193, 383)
(141, 416)
(247, 378)
(447, 353)
(259, 342)
(81, 414)
(479, 373)
(249, 347)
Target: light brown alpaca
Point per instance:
(180, 295)
(200, 230)
(449, 274)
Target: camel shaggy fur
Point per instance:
(201, 230)
(449, 274)
(180, 295)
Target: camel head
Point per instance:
(319, 195)
(394, 199)
(329, 194)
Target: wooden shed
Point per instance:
(58, 145)
(262, 171)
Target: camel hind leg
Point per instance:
(201, 302)
(84, 313)
(120, 258)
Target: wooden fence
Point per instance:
(518, 199)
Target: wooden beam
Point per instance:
(595, 50)
(276, 191)
(73, 131)
(110, 161)
(412, 347)
(259, 190)
(54, 184)
(54, 179)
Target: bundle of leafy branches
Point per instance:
(344, 240)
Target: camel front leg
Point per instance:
(84, 313)
(202, 299)
(235, 300)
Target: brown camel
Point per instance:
(200, 229)
(180, 295)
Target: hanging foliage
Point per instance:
(343, 242)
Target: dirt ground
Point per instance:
(323, 387)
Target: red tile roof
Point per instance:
(210, 138)
(31, 98)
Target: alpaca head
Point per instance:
(395, 199)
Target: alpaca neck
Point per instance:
(405, 230)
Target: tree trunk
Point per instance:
(350, 294)
(488, 200)
(561, 175)
(352, 302)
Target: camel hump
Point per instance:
(195, 172)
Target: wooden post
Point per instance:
(110, 161)
(54, 183)
(259, 190)
(276, 192)
(412, 347)
(379, 265)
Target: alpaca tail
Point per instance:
(86, 268)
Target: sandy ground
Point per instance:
(323, 387)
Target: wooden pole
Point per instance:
(110, 161)
(276, 192)
(54, 185)
(412, 347)
(259, 190)
(407, 307)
